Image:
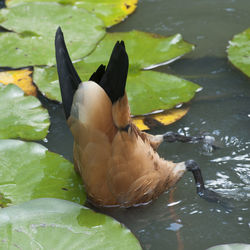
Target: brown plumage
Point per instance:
(118, 163)
(118, 167)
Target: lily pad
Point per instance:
(36, 24)
(161, 119)
(21, 116)
(46, 79)
(29, 171)
(57, 224)
(22, 78)
(239, 51)
(150, 91)
(17, 51)
(110, 11)
(144, 50)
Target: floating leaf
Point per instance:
(17, 51)
(57, 224)
(110, 11)
(160, 91)
(22, 78)
(149, 91)
(21, 116)
(29, 171)
(239, 51)
(145, 50)
(36, 24)
(46, 80)
(164, 118)
(234, 246)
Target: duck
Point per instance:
(118, 163)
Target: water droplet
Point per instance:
(173, 203)
(230, 9)
(198, 90)
(194, 212)
(179, 105)
(240, 219)
(174, 227)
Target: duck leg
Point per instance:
(202, 191)
(176, 137)
(155, 140)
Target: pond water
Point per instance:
(180, 219)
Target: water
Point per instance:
(180, 219)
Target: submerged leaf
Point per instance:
(29, 171)
(162, 119)
(22, 78)
(21, 116)
(31, 225)
(147, 90)
(110, 11)
(239, 51)
(36, 27)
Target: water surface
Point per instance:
(179, 219)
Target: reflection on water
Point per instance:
(235, 184)
(180, 219)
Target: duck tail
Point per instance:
(114, 82)
(68, 77)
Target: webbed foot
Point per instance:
(207, 140)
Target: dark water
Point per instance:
(179, 219)
(2, 4)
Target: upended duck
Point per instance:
(118, 163)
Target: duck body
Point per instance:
(118, 163)
(119, 167)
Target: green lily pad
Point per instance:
(58, 224)
(29, 171)
(21, 116)
(234, 246)
(145, 50)
(110, 11)
(36, 24)
(154, 51)
(46, 80)
(239, 51)
(150, 91)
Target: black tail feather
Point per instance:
(68, 77)
(114, 79)
(97, 76)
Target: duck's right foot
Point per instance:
(207, 140)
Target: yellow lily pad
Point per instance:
(22, 78)
(110, 11)
(164, 118)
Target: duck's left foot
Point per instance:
(207, 140)
(203, 192)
